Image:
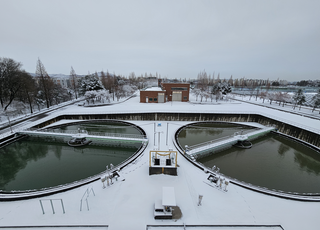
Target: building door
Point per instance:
(176, 95)
(147, 100)
(160, 97)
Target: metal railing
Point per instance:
(86, 195)
(203, 144)
(278, 193)
(74, 132)
(52, 207)
(18, 194)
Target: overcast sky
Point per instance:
(177, 39)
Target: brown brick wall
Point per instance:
(149, 94)
(168, 86)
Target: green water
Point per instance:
(203, 132)
(29, 164)
(273, 162)
(105, 127)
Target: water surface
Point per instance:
(203, 132)
(29, 164)
(104, 127)
(273, 162)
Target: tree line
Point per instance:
(39, 90)
(36, 91)
(206, 87)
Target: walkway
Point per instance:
(94, 136)
(209, 147)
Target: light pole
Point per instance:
(158, 138)
(9, 122)
(167, 133)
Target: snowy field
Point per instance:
(129, 203)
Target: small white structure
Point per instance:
(163, 162)
(163, 208)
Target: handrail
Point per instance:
(24, 194)
(218, 140)
(138, 136)
(273, 192)
(87, 193)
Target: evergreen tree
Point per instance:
(90, 83)
(299, 98)
(316, 101)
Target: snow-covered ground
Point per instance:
(303, 110)
(129, 204)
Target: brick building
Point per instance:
(166, 92)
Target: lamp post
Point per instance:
(158, 138)
(9, 122)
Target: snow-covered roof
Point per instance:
(168, 196)
(154, 89)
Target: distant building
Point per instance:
(152, 95)
(166, 92)
(64, 82)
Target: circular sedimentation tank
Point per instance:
(274, 162)
(38, 164)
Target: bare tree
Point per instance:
(286, 98)
(74, 82)
(252, 88)
(202, 83)
(316, 101)
(263, 96)
(59, 94)
(230, 82)
(10, 83)
(196, 92)
(257, 93)
(28, 90)
(109, 83)
(271, 97)
(282, 97)
(45, 82)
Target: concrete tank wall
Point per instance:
(288, 129)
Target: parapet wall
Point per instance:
(285, 128)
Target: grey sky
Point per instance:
(178, 39)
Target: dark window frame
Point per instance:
(179, 88)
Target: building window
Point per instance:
(179, 88)
(150, 99)
(155, 99)
(185, 98)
